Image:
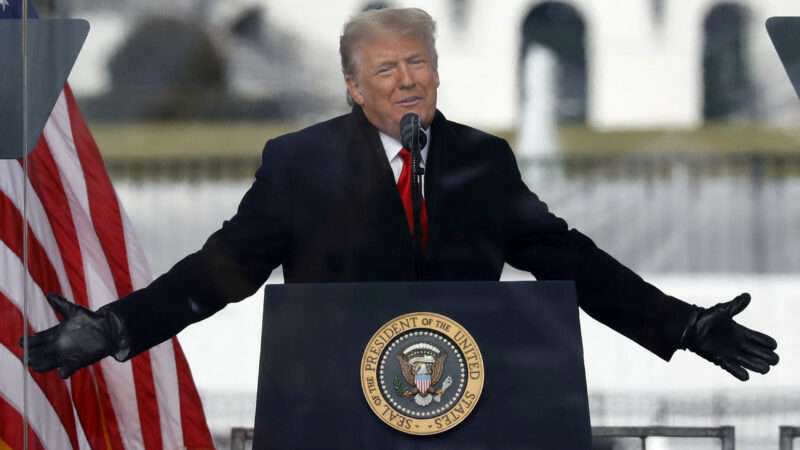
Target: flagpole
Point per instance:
(25, 259)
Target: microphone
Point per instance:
(411, 134)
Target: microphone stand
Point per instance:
(413, 139)
(417, 171)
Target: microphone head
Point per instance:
(409, 128)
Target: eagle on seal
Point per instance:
(423, 373)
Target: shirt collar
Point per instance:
(392, 146)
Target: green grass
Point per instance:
(708, 139)
(173, 140)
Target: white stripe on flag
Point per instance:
(40, 315)
(119, 378)
(141, 275)
(99, 281)
(83, 443)
(11, 182)
(162, 359)
(43, 419)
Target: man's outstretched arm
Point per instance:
(232, 265)
(542, 243)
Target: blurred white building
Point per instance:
(624, 64)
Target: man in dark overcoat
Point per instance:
(330, 203)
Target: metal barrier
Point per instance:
(787, 436)
(757, 166)
(657, 213)
(241, 437)
(188, 169)
(725, 434)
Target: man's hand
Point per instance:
(715, 336)
(82, 338)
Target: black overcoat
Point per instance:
(324, 205)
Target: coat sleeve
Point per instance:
(233, 263)
(542, 243)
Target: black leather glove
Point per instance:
(713, 334)
(82, 338)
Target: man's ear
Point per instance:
(353, 90)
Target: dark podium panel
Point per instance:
(314, 335)
(784, 32)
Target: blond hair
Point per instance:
(406, 22)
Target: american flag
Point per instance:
(80, 244)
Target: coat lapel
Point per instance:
(434, 167)
(374, 185)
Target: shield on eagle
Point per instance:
(422, 366)
(422, 380)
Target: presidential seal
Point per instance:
(422, 373)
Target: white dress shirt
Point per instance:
(392, 147)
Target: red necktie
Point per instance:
(404, 186)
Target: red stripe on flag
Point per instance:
(107, 221)
(193, 421)
(39, 265)
(147, 402)
(89, 392)
(103, 205)
(51, 385)
(46, 182)
(11, 428)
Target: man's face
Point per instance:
(394, 76)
